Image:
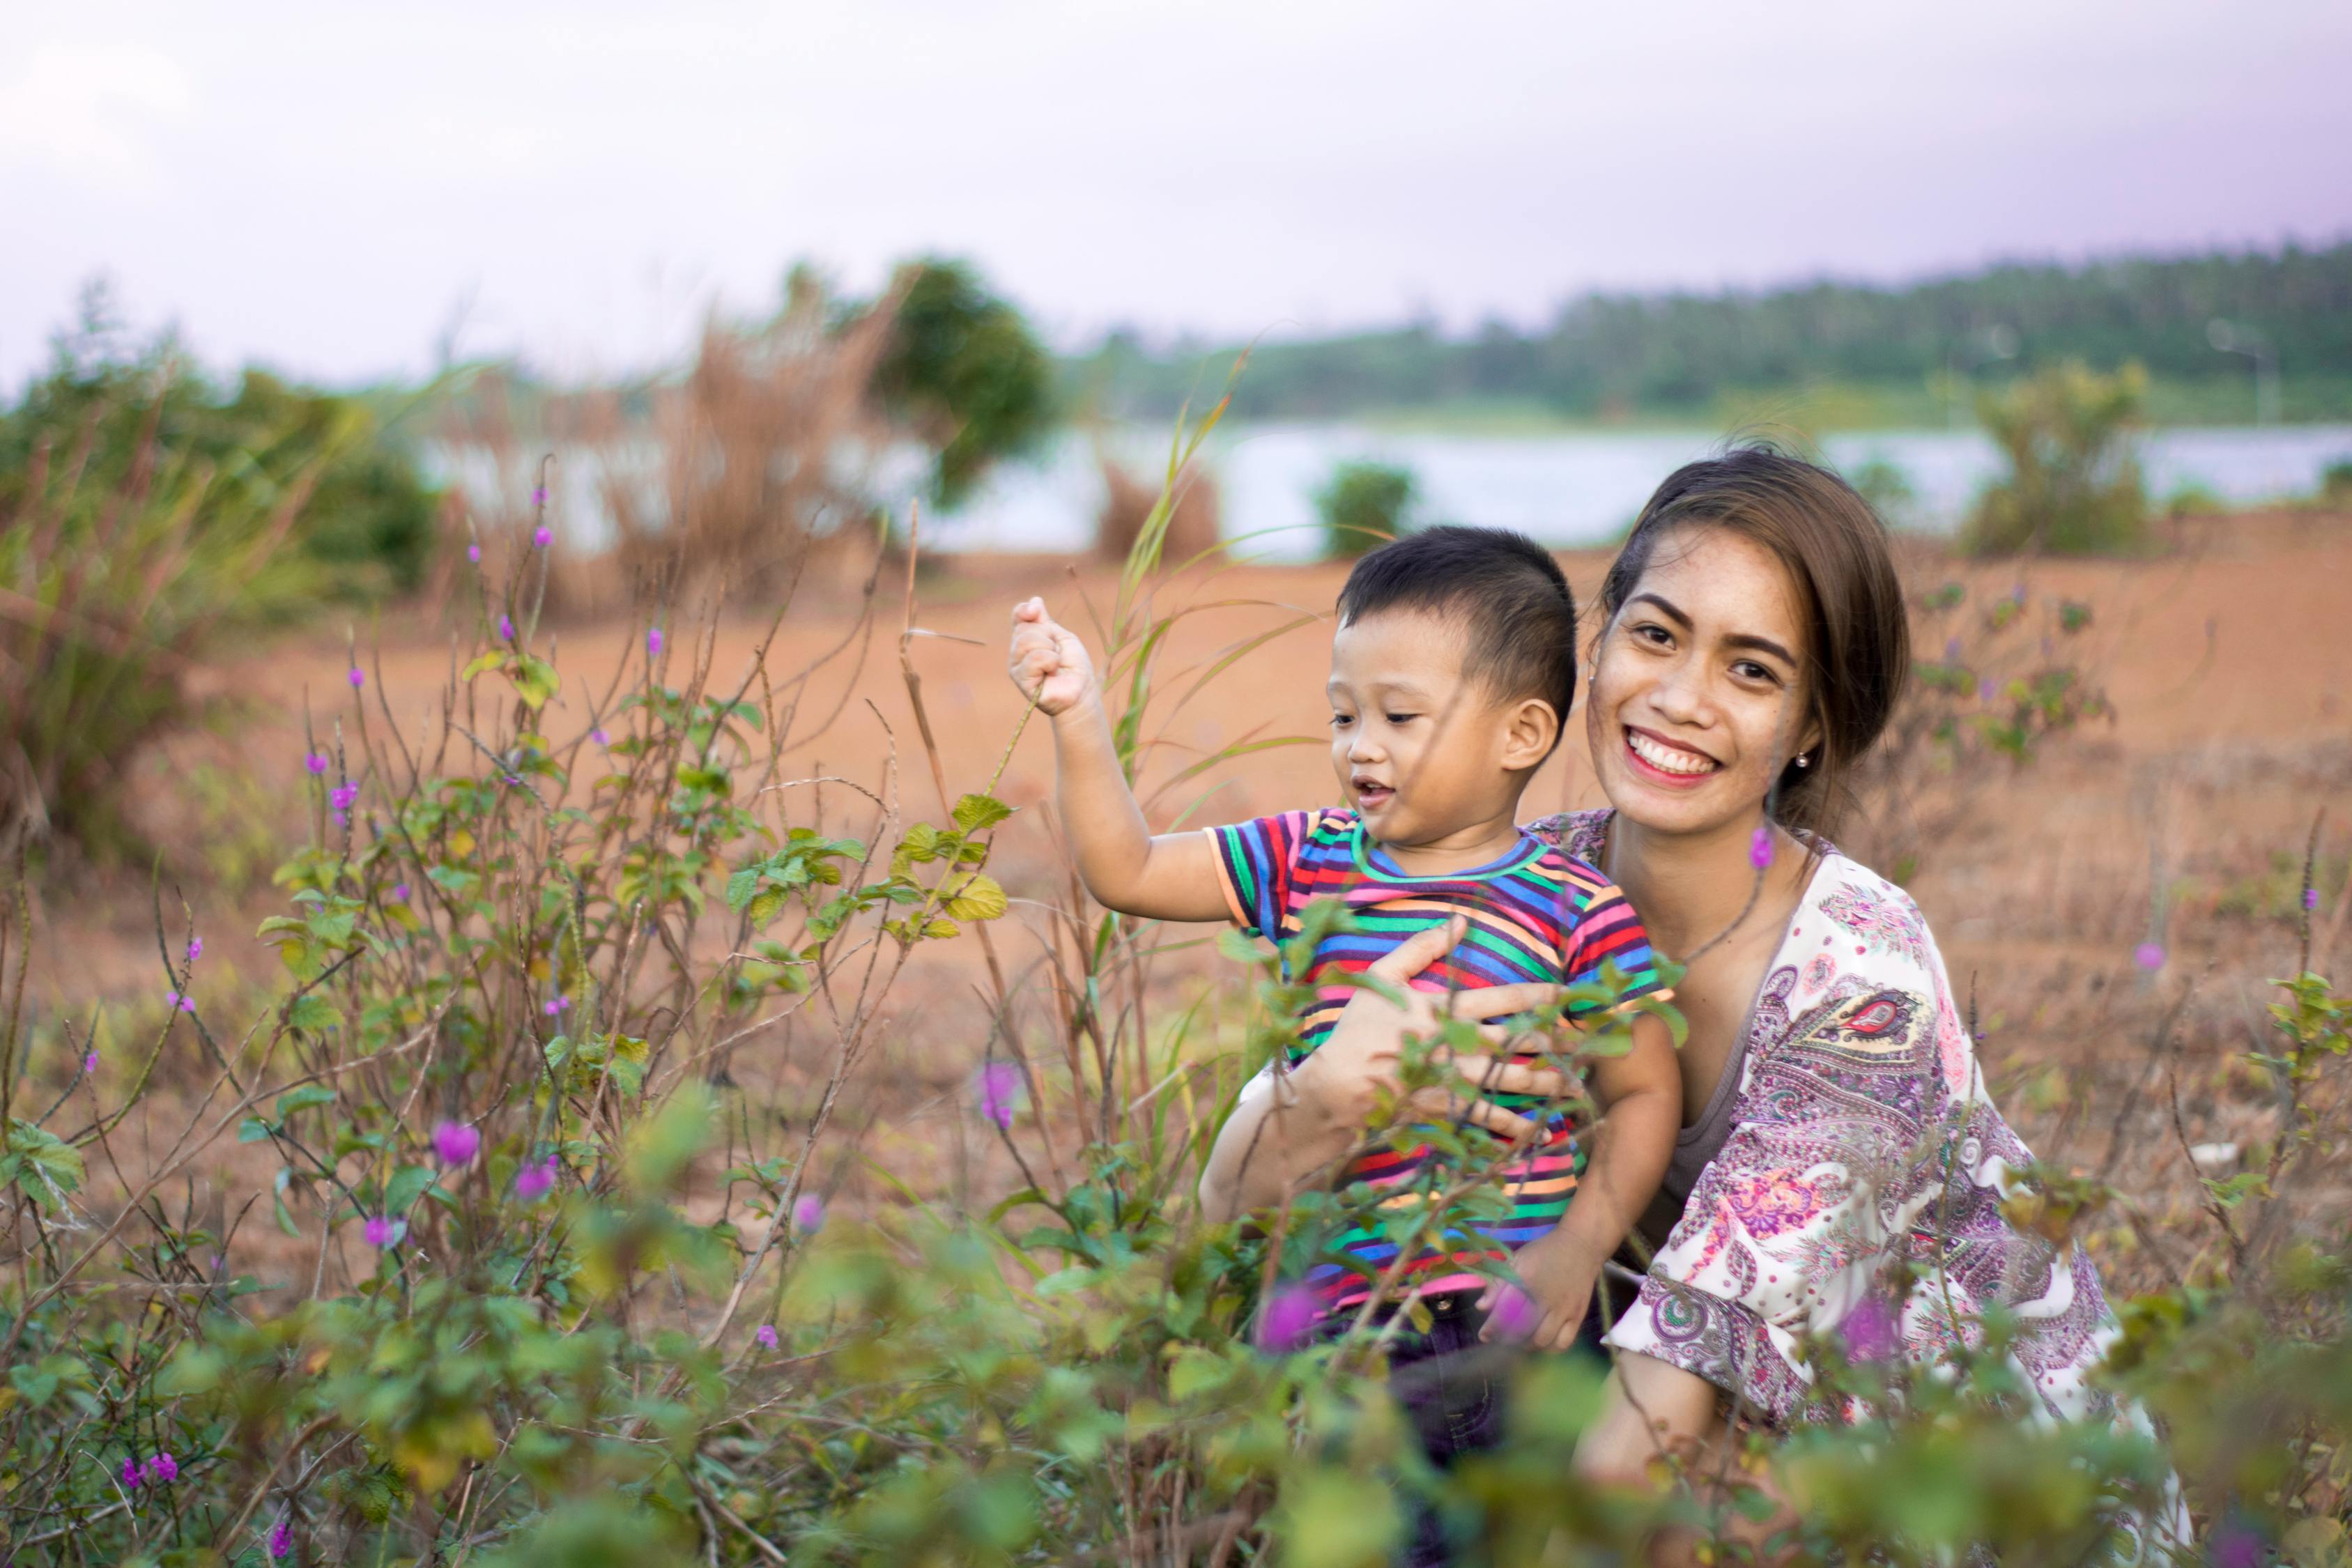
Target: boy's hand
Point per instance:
(1559, 1271)
(1048, 663)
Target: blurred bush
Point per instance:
(963, 369)
(144, 518)
(2074, 486)
(2335, 484)
(1364, 506)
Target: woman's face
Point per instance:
(1697, 697)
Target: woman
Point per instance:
(1754, 645)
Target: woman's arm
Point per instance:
(1288, 1127)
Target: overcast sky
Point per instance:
(325, 187)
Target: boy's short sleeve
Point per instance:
(1254, 863)
(1608, 932)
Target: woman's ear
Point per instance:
(1529, 732)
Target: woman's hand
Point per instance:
(1288, 1126)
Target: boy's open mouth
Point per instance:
(1370, 794)
(1660, 761)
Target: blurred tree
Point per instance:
(1364, 507)
(2074, 486)
(962, 368)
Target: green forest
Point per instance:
(1875, 353)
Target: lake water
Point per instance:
(1563, 489)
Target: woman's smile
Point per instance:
(1660, 761)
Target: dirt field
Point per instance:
(2228, 661)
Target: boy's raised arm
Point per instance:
(1172, 876)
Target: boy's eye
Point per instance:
(1342, 721)
(1401, 718)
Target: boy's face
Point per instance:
(1419, 751)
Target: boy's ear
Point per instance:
(1529, 732)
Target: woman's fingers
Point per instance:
(1500, 1001)
(1510, 1078)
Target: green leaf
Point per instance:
(764, 907)
(406, 1185)
(44, 1164)
(314, 1013)
(490, 660)
(303, 1099)
(192, 1371)
(535, 680)
(974, 896)
(253, 1130)
(978, 813)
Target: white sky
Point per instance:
(318, 185)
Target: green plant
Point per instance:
(2073, 487)
(962, 367)
(1364, 506)
(2335, 484)
(1887, 489)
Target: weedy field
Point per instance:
(652, 1090)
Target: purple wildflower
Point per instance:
(2310, 898)
(506, 628)
(90, 1065)
(474, 554)
(1952, 651)
(558, 1006)
(542, 536)
(1759, 849)
(654, 642)
(315, 761)
(358, 677)
(131, 1474)
(281, 1536)
(1286, 1318)
(1984, 691)
(766, 1335)
(195, 948)
(1871, 1331)
(538, 495)
(2236, 1545)
(1515, 1315)
(2149, 955)
(456, 1143)
(342, 798)
(161, 1468)
(999, 1087)
(532, 1182)
(808, 1214)
(599, 736)
(383, 1231)
(179, 1003)
(400, 893)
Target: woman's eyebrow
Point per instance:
(1665, 608)
(1761, 645)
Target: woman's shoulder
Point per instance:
(1872, 923)
(1580, 835)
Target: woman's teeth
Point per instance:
(1668, 759)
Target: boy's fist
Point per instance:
(1048, 662)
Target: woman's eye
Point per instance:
(1748, 669)
(1654, 635)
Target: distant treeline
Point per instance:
(1619, 354)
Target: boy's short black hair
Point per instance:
(1509, 594)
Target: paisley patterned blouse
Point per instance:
(1862, 1132)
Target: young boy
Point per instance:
(1453, 668)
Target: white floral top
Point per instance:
(1862, 1134)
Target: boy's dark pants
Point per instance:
(1454, 1387)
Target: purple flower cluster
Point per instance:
(1286, 1318)
(159, 1469)
(998, 1086)
(90, 1065)
(766, 1335)
(316, 762)
(358, 677)
(474, 554)
(179, 1003)
(557, 1006)
(340, 800)
(506, 628)
(2149, 955)
(808, 1214)
(534, 1180)
(654, 642)
(542, 536)
(195, 948)
(456, 1143)
(281, 1536)
(382, 1230)
(1759, 849)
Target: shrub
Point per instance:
(962, 368)
(2335, 484)
(125, 554)
(1364, 506)
(2073, 487)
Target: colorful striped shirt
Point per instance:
(1534, 914)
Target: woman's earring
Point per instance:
(1804, 759)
